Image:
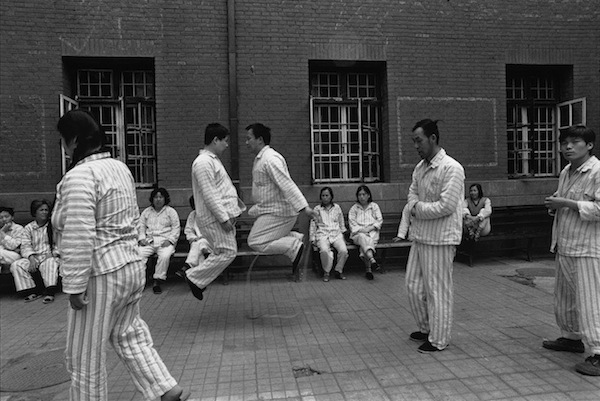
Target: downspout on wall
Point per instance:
(233, 95)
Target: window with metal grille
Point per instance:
(345, 114)
(533, 113)
(122, 100)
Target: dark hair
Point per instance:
(367, 190)
(163, 192)
(326, 189)
(214, 130)
(192, 203)
(578, 131)
(259, 130)
(429, 128)
(82, 126)
(478, 186)
(35, 205)
(10, 210)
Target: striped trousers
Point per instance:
(113, 314)
(326, 254)
(223, 247)
(273, 235)
(196, 254)
(163, 257)
(431, 290)
(8, 257)
(577, 299)
(48, 268)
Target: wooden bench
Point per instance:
(513, 228)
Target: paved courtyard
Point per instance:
(273, 339)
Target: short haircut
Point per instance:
(260, 131)
(7, 209)
(367, 190)
(83, 126)
(578, 131)
(215, 130)
(163, 192)
(37, 203)
(478, 186)
(429, 128)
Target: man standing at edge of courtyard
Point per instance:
(278, 200)
(217, 208)
(436, 193)
(576, 242)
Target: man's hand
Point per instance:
(78, 301)
(397, 239)
(143, 242)
(556, 202)
(165, 244)
(33, 264)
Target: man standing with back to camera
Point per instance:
(436, 193)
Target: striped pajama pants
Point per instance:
(366, 242)
(577, 299)
(196, 254)
(8, 257)
(113, 314)
(273, 235)
(163, 257)
(431, 290)
(48, 268)
(223, 247)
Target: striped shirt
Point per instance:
(360, 217)
(34, 241)
(162, 224)
(273, 190)
(577, 233)
(12, 238)
(215, 197)
(438, 188)
(95, 219)
(331, 223)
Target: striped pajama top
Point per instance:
(438, 188)
(163, 223)
(331, 224)
(577, 233)
(95, 219)
(273, 190)
(34, 240)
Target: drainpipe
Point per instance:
(233, 103)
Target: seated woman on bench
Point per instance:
(365, 220)
(158, 232)
(477, 210)
(328, 232)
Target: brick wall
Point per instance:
(445, 59)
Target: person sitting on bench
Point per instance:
(477, 210)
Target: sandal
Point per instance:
(48, 299)
(32, 297)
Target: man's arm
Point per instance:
(279, 175)
(204, 172)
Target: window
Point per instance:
(120, 94)
(534, 116)
(345, 114)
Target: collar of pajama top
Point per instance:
(576, 233)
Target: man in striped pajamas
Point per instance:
(217, 208)
(576, 242)
(278, 200)
(436, 195)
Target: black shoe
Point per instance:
(418, 336)
(181, 272)
(564, 344)
(591, 366)
(156, 287)
(196, 291)
(428, 348)
(375, 266)
(339, 276)
(326, 277)
(298, 257)
(369, 275)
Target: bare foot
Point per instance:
(175, 394)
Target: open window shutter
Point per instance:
(66, 104)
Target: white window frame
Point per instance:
(66, 104)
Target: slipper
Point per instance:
(32, 297)
(48, 299)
